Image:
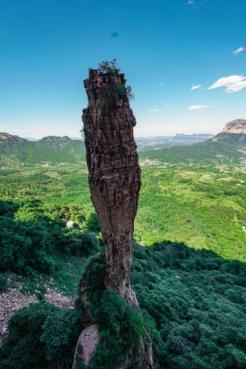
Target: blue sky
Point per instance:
(164, 47)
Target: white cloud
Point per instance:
(231, 84)
(200, 107)
(195, 87)
(240, 50)
(197, 107)
(191, 2)
(154, 110)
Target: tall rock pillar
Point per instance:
(114, 181)
(114, 172)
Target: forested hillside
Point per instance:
(201, 205)
(192, 302)
(17, 152)
(227, 148)
(188, 267)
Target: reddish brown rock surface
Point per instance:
(114, 172)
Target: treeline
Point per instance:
(32, 234)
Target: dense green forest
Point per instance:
(192, 301)
(188, 268)
(201, 205)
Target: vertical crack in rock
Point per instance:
(114, 172)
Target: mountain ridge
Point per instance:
(6, 139)
(18, 151)
(237, 126)
(224, 148)
(229, 146)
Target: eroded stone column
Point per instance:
(114, 181)
(114, 172)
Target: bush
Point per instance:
(124, 92)
(93, 277)
(93, 224)
(60, 332)
(40, 336)
(79, 243)
(3, 282)
(7, 208)
(109, 67)
(24, 247)
(120, 325)
(121, 328)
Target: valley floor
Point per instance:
(201, 205)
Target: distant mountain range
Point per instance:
(17, 151)
(229, 145)
(159, 142)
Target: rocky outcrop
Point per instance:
(114, 172)
(237, 126)
(86, 345)
(114, 181)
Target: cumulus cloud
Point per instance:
(240, 50)
(231, 84)
(197, 107)
(195, 87)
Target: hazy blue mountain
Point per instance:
(224, 147)
(158, 142)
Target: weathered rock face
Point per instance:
(114, 172)
(86, 345)
(114, 181)
(237, 126)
